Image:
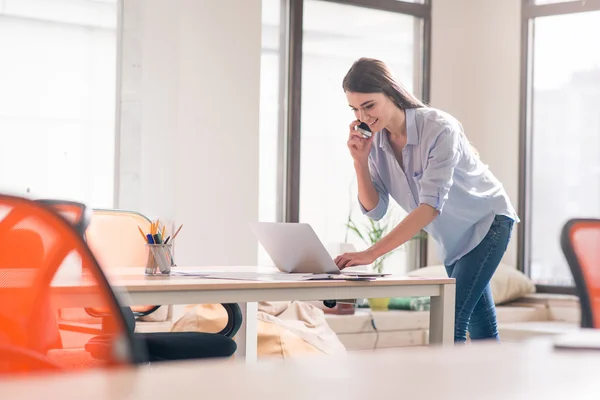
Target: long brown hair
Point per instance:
(368, 75)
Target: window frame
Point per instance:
(291, 23)
(529, 12)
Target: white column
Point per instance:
(189, 141)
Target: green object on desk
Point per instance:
(419, 303)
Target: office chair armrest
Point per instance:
(234, 319)
(144, 313)
(99, 313)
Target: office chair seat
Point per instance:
(167, 346)
(186, 345)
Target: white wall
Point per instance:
(191, 78)
(475, 76)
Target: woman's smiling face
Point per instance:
(374, 109)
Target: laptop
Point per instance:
(294, 247)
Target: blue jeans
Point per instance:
(475, 310)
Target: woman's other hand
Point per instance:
(352, 259)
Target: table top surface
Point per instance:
(134, 280)
(530, 370)
(137, 281)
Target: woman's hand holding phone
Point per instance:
(359, 146)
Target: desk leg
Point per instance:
(441, 316)
(247, 337)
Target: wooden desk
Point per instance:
(134, 288)
(529, 371)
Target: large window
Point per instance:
(327, 179)
(562, 121)
(306, 171)
(57, 99)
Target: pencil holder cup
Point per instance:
(159, 259)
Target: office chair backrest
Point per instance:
(78, 214)
(45, 266)
(115, 240)
(580, 241)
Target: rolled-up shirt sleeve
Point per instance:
(437, 177)
(381, 208)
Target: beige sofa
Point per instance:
(522, 314)
(531, 315)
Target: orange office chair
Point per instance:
(116, 242)
(114, 239)
(37, 278)
(107, 249)
(580, 242)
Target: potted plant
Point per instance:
(370, 233)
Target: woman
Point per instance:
(421, 157)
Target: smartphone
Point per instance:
(364, 130)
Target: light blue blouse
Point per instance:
(439, 168)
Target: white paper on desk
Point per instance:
(259, 276)
(340, 277)
(192, 273)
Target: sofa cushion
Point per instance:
(399, 320)
(507, 283)
(385, 321)
(560, 307)
(524, 330)
(551, 299)
(511, 314)
(381, 340)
